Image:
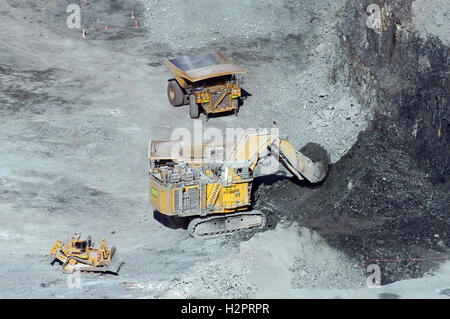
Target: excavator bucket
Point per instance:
(301, 165)
(316, 160)
(313, 172)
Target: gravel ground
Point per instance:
(293, 66)
(262, 268)
(78, 114)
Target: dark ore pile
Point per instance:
(388, 197)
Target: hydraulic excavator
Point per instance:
(211, 183)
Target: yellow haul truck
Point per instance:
(206, 82)
(213, 181)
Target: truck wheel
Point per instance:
(175, 93)
(194, 109)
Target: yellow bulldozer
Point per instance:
(80, 255)
(207, 82)
(210, 183)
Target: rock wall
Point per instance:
(387, 197)
(402, 73)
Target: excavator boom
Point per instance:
(247, 150)
(253, 143)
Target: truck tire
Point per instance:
(175, 93)
(194, 108)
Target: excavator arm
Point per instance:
(253, 144)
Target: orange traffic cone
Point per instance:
(106, 28)
(136, 24)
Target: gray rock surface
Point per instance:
(431, 18)
(77, 114)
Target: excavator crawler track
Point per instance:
(226, 224)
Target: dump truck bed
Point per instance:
(200, 67)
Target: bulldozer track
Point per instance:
(103, 270)
(81, 260)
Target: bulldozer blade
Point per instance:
(54, 260)
(115, 263)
